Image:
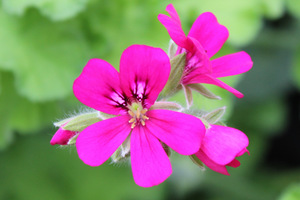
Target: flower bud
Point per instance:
(177, 68)
(70, 128)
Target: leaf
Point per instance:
(54, 9)
(291, 193)
(45, 65)
(293, 7)
(273, 9)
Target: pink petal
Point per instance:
(62, 137)
(144, 71)
(173, 26)
(150, 163)
(98, 87)
(211, 164)
(98, 142)
(205, 78)
(235, 163)
(232, 64)
(222, 144)
(209, 33)
(182, 132)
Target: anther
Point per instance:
(145, 117)
(143, 122)
(133, 125)
(144, 110)
(131, 120)
(131, 113)
(138, 113)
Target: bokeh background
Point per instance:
(44, 45)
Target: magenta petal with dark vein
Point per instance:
(98, 87)
(150, 163)
(99, 141)
(182, 132)
(144, 71)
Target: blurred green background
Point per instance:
(44, 45)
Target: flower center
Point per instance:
(137, 113)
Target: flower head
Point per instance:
(205, 38)
(220, 147)
(129, 95)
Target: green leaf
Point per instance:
(293, 7)
(273, 8)
(291, 193)
(54, 9)
(45, 65)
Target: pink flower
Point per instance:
(205, 38)
(129, 94)
(220, 147)
(62, 137)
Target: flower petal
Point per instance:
(173, 26)
(235, 163)
(62, 137)
(98, 142)
(204, 78)
(150, 163)
(98, 87)
(209, 33)
(231, 64)
(182, 132)
(144, 71)
(211, 164)
(222, 144)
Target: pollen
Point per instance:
(137, 114)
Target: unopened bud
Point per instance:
(177, 68)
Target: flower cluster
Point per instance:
(132, 117)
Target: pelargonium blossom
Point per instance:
(220, 147)
(205, 39)
(129, 95)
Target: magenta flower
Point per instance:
(220, 147)
(129, 94)
(205, 38)
(62, 137)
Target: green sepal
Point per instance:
(73, 139)
(80, 122)
(166, 105)
(172, 49)
(123, 152)
(177, 69)
(215, 116)
(188, 95)
(167, 149)
(62, 122)
(203, 91)
(197, 161)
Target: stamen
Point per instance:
(131, 120)
(143, 122)
(138, 113)
(131, 113)
(145, 117)
(133, 125)
(144, 110)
